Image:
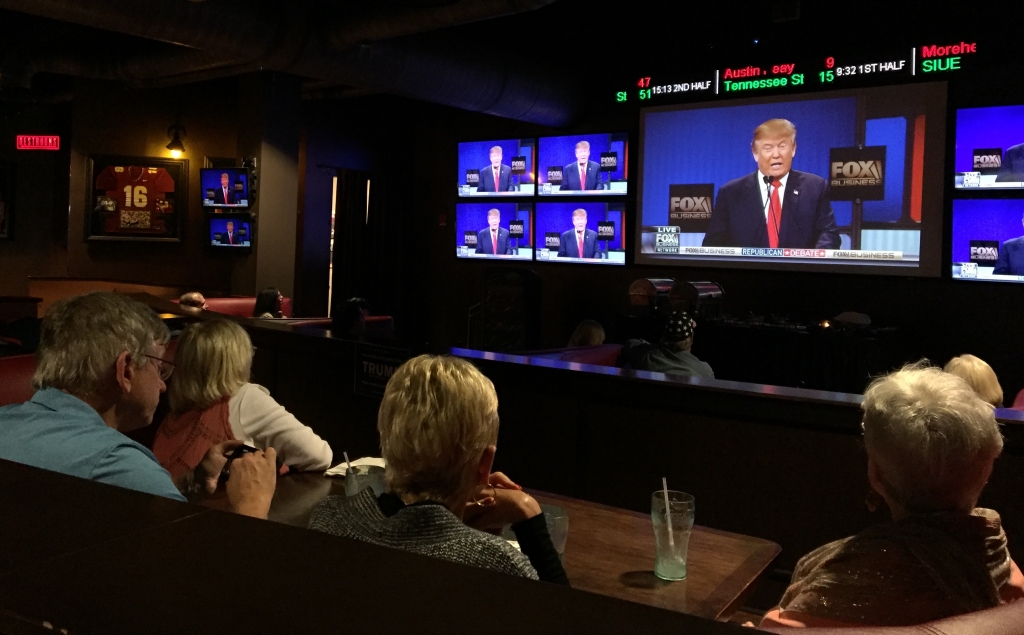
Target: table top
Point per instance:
(609, 551)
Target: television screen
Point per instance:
(225, 187)
(494, 230)
(989, 148)
(583, 164)
(584, 232)
(988, 239)
(497, 168)
(230, 232)
(842, 181)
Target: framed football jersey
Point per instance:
(136, 198)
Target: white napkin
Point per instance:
(339, 469)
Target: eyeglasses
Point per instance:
(165, 368)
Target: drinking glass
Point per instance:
(670, 546)
(360, 477)
(557, 520)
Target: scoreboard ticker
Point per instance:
(929, 61)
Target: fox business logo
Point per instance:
(519, 164)
(667, 243)
(555, 174)
(472, 177)
(853, 173)
(689, 207)
(551, 240)
(987, 162)
(516, 229)
(984, 252)
(609, 161)
(469, 238)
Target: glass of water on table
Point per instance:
(673, 523)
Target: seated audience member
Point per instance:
(672, 354)
(588, 333)
(931, 443)
(438, 424)
(193, 299)
(99, 373)
(212, 401)
(978, 376)
(268, 304)
(350, 321)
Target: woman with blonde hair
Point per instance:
(588, 333)
(212, 401)
(978, 376)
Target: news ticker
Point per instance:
(666, 241)
(920, 61)
(976, 271)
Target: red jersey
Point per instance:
(140, 194)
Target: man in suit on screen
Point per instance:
(493, 239)
(1012, 167)
(225, 194)
(774, 206)
(581, 174)
(229, 237)
(578, 242)
(1011, 257)
(496, 177)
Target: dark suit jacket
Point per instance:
(571, 176)
(1012, 168)
(483, 241)
(738, 219)
(567, 247)
(218, 195)
(487, 179)
(235, 238)
(1011, 258)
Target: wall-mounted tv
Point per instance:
(583, 164)
(989, 148)
(230, 232)
(988, 240)
(498, 231)
(846, 181)
(587, 232)
(501, 167)
(225, 188)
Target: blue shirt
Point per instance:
(58, 432)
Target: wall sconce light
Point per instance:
(177, 148)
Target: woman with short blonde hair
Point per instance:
(978, 376)
(438, 425)
(212, 400)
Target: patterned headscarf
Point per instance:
(679, 327)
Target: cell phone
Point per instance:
(238, 452)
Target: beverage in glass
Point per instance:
(670, 545)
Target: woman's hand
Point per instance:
(502, 507)
(499, 480)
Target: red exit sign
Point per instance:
(38, 142)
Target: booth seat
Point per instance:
(1007, 619)
(600, 355)
(16, 378)
(242, 306)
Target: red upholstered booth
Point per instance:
(242, 306)
(601, 355)
(16, 378)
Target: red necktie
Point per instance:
(583, 178)
(494, 243)
(579, 243)
(497, 178)
(225, 196)
(231, 239)
(774, 216)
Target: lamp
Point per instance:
(177, 148)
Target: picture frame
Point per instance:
(7, 181)
(136, 199)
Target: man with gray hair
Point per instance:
(931, 443)
(99, 373)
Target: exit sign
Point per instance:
(38, 142)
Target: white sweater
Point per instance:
(261, 422)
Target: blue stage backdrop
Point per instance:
(473, 217)
(977, 128)
(712, 145)
(998, 219)
(219, 225)
(557, 217)
(476, 155)
(561, 151)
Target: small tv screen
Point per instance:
(230, 232)
(583, 164)
(225, 188)
(581, 232)
(503, 167)
(989, 148)
(840, 181)
(500, 231)
(988, 240)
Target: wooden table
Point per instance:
(609, 551)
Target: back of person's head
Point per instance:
(588, 333)
(351, 318)
(81, 338)
(267, 302)
(437, 417)
(978, 376)
(212, 361)
(193, 299)
(932, 438)
(678, 330)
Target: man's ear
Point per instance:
(483, 470)
(124, 371)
